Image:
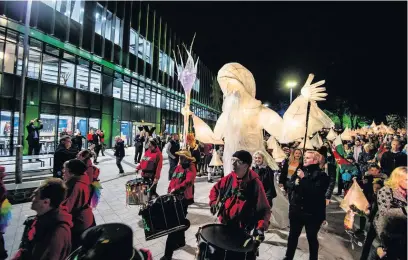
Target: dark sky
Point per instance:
(359, 48)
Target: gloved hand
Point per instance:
(259, 235)
(213, 209)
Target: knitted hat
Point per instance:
(244, 156)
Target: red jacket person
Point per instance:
(78, 197)
(181, 183)
(151, 165)
(47, 236)
(239, 198)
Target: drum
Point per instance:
(218, 241)
(137, 192)
(162, 216)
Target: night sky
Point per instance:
(360, 49)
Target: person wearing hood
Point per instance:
(119, 153)
(47, 236)
(181, 183)
(239, 199)
(307, 205)
(63, 153)
(151, 165)
(77, 201)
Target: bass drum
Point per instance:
(80, 254)
(218, 241)
(164, 215)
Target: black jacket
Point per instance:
(96, 139)
(195, 152)
(308, 195)
(119, 149)
(139, 141)
(32, 129)
(62, 155)
(331, 172)
(77, 140)
(283, 177)
(390, 161)
(266, 175)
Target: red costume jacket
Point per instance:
(182, 181)
(151, 164)
(246, 205)
(77, 202)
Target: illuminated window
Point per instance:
(73, 9)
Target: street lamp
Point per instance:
(266, 105)
(291, 85)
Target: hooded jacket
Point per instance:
(246, 205)
(308, 195)
(77, 202)
(48, 237)
(151, 164)
(182, 181)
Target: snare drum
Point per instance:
(137, 192)
(218, 241)
(162, 216)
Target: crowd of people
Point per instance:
(242, 199)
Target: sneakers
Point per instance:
(210, 181)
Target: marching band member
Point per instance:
(181, 183)
(239, 198)
(151, 165)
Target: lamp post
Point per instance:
(291, 85)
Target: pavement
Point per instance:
(334, 244)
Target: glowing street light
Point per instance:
(291, 85)
(266, 105)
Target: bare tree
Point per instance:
(65, 76)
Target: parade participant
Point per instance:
(182, 183)
(172, 148)
(63, 153)
(307, 204)
(139, 141)
(194, 148)
(151, 165)
(78, 197)
(96, 141)
(48, 235)
(290, 167)
(239, 198)
(394, 158)
(329, 167)
(348, 173)
(77, 141)
(5, 213)
(102, 136)
(93, 174)
(109, 241)
(119, 153)
(266, 175)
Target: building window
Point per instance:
(196, 85)
(117, 87)
(82, 77)
(144, 46)
(126, 87)
(9, 57)
(132, 41)
(141, 95)
(118, 40)
(50, 69)
(73, 9)
(67, 74)
(95, 84)
(133, 93)
(98, 19)
(108, 25)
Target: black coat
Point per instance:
(308, 196)
(266, 175)
(139, 141)
(390, 161)
(32, 129)
(119, 149)
(62, 155)
(331, 168)
(283, 177)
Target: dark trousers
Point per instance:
(173, 165)
(297, 222)
(368, 244)
(340, 185)
(96, 150)
(103, 149)
(3, 252)
(138, 153)
(363, 221)
(118, 163)
(34, 146)
(152, 188)
(175, 240)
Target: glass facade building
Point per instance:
(93, 65)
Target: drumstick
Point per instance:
(247, 241)
(151, 187)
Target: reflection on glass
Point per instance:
(82, 77)
(95, 85)
(81, 126)
(125, 128)
(94, 124)
(117, 31)
(108, 25)
(133, 93)
(49, 69)
(65, 125)
(9, 57)
(67, 74)
(47, 134)
(125, 95)
(98, 19)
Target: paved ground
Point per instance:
(113, 208)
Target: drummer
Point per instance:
(239, 198)
(151, 165)
(181, 183)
